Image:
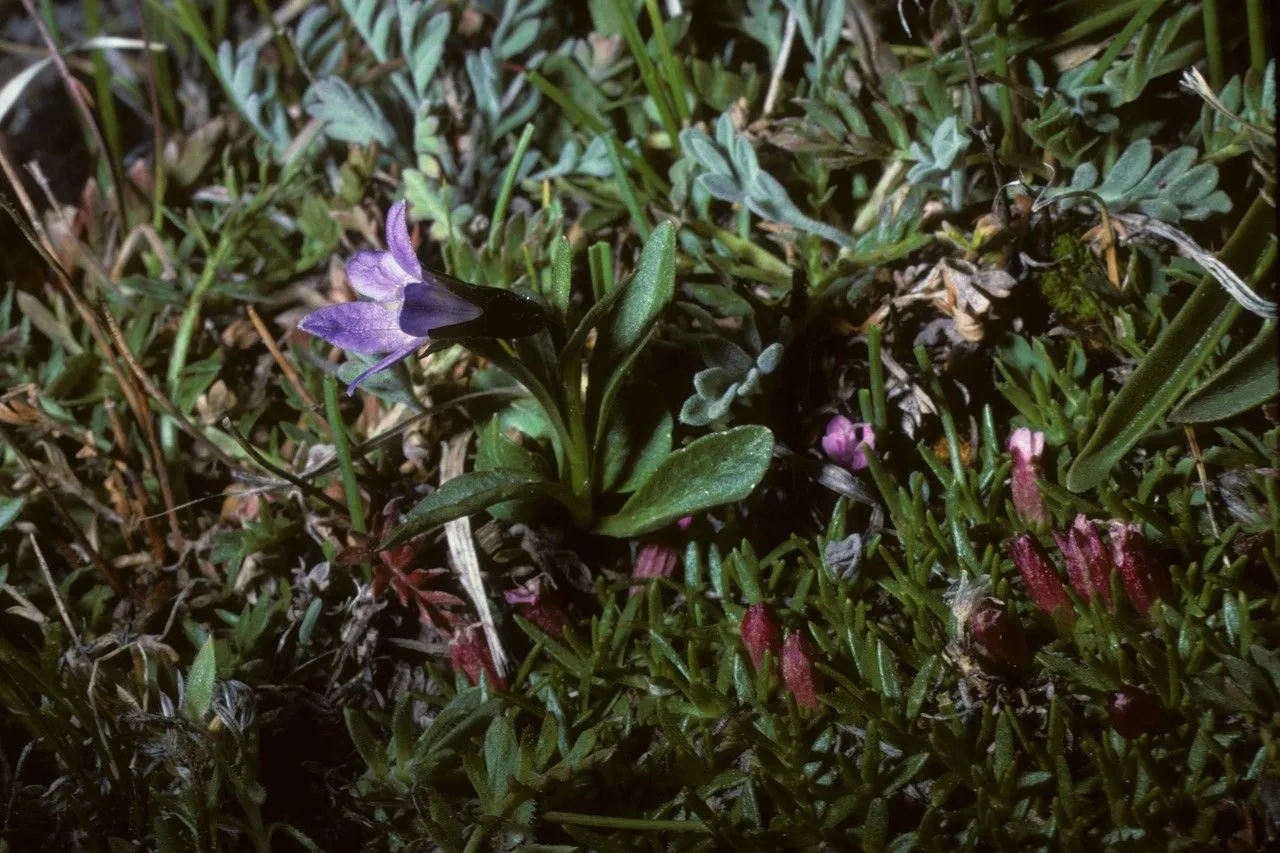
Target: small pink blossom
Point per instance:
(1043, 583)
(1027, 449)
(469, 654)
(999, 636)
(538, 603)
(1144, 581)
(1088, 562)
(846, 443)
(760, 633)
(797, 671)
(653, 561)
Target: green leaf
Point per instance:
(1170, 365)
(634, 447)
(1248, 380)
(200, 678)
(561, 281)
(10, 509)
(467, 494)
(716, 469)
(496, 452)
(370, 750)
(650, 291)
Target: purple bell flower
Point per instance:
(403, 305)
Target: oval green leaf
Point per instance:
(467, 494)
(714, 470)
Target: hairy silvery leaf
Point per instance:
(260, 108)
(348, 116)
(423, 44)
(519, 26)
(1170, 190)
(318, 41)
(744, 182)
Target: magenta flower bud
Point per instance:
(1088, 563)
(1133, 713)
(1027, 448)
(1144, 581)
(797, 671)
(760, 633)
(844, 442)
(540, 606)
(653, 561)
(685, 523)
(1043, 582)
(469, 654)
(999, 637)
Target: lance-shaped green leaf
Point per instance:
(467, 494)
(650, 291)
(714, 470)
(1248, 380)
(1171, 364)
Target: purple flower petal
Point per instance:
(398, 240)
(385, 362)
(378, 275)
(431, 306)
(364, 327)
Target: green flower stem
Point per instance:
(1257, 25)
(350, 487)
(508, 184)
(649, 74)
(1149, 8)
(674, 71)
(1004, 9)
(879, 420)
(186, 333)
(578, 449)
(625, 189)
(1213, 44)
(631, 823)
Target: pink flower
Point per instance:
(1027, 448)
(1144, 581)
(653, 561)
(469, 654)
(685, 523)
(1088, 563)
(540, 606)
(1043, 582)
(760, 633)
(797, 671)
(845, 440)
(999, 636)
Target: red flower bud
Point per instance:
(1144, 581)
(469, 654)
(540, 606)
(760, 633)
(1027, 447)
(1043, 583)
(1088, 563)
(1133, 713)
(999, 636)
(844, 441)
(797, 671)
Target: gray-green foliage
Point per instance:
(1175, 188)
(732, 173)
